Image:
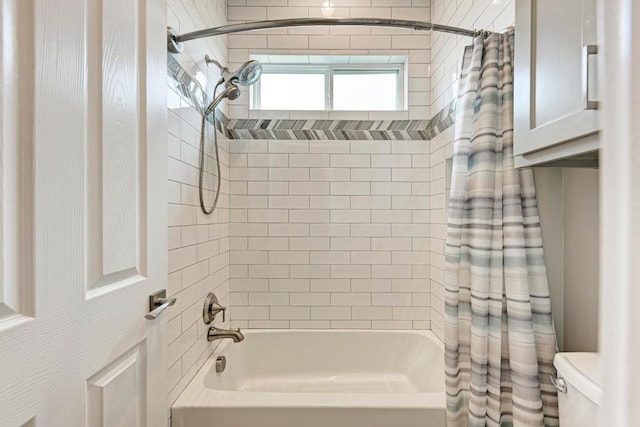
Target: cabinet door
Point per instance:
(555, 84)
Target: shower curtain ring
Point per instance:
(482, 33)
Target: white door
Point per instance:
(83, 212)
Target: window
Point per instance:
(291, 88)
(340, 85)
(366, 90)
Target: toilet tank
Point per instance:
(579, 374)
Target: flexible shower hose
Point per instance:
(202, 158)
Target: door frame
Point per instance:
(620, 213)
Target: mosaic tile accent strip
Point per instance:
(193, 92)
(342, 129)
(287, 129)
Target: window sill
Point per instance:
(329, 115)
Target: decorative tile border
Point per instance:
(287, 129)
(193, 92)
(342, 129)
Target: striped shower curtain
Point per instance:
(499, 335)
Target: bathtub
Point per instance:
(319, 378)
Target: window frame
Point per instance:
(329, 70)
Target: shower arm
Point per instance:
(174, 41)
(209, 60)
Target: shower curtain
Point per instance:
(499, 335)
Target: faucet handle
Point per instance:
(211, 308)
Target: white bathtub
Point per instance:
(319, 378)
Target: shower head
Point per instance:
(231, 91)
(246, 75)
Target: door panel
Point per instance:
(109, 392)
(120, 133)
(83, 212)
(59, 142)
(117, 156)
(16, 159)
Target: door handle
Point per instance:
(587, 50)
(158, 302)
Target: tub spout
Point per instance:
(219, 334)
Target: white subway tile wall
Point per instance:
(335, 40)
(339, 234)
(337, 238)
(447, 49)
(198, 244)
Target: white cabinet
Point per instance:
(555, 85)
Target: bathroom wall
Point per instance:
(330, 234)
(447, 49)
(440, 148)
(581, 259)
(568, 207)
(339, 41)
(198, 244)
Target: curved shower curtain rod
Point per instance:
(174, 41)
